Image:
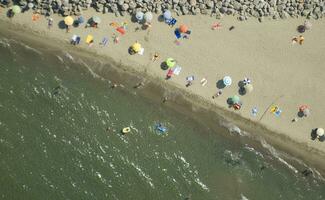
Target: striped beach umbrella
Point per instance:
(227, 80)
(16, 9)
(68, 20)
(139, 15)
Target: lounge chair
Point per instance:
(171, 22)
(104, 41)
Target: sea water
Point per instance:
(60, 138)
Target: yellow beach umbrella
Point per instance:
(136, 47)
(89, 39)
(68, 20)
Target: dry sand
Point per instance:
(283, 74)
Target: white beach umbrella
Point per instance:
(306, 112)
(320, 132)
(139, 15)
(248, 88)
(307, 25)
(227, 80)
(167, 14)
(148, 16)
(30, 5)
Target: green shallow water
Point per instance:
(65, 143)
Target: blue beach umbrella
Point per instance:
(139, 15)
(227, 81)
(81, 19)
(167, 15)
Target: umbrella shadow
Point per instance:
(229, 102)
(313, 134)
(134, 19)
(241, 84)
(220, 84)
(241, 91)
(160, 18)
(300, 114)
(62, 25)
(301, 28)
(163, 66)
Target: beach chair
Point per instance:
(104, 41)
(171, 22)
(177, 34)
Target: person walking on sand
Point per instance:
(50, 23)
(116, 39)
(155, 57)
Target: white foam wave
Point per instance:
(5, 43)
(242, 197)
(30, 48)
(232, 128)
(276, 154)
(143, 174)
(251, 149)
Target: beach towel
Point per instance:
(278, 112)
(170, 73)
(190, 78)
(204, 81)
(141, 51)
(177, 70)
(121, 30)
(89, 39)
(177, 34)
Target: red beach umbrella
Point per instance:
(302, 108)
(183, 28)
(121, 30)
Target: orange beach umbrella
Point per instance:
(183, 28)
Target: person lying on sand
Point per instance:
(217, 94)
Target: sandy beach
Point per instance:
(283, 74)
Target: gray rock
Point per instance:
(192, 2)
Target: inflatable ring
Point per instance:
(126, 130)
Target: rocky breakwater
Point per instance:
(243, 9)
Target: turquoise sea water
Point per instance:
(60, 139)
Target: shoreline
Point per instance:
(197, 103)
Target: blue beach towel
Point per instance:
(171, 22)
(177, 34)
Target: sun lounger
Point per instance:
(190, 78)
(171, 22)
(177, 34)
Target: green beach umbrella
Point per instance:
(16, 9)
(235, 99)
(96, 19)
(170, 62)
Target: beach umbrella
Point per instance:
(235, 99)
(139, 15)
(96, 19)
(306, 112)
(136, 47)
(307, 25)
(120, 30)
(227, 80)
(320, 132)
(16, 9)
(68, 20)
(302, 108)
(183, 28)
(148, 16)
(30, 5)
(89, 39)
(248, 88)
(167, 14)
(170, 62)
(81, 19)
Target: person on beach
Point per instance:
(139, 85)
(165, 99)
(114, 86)
(155, 57)
(50, 23)
(301, 39)
(116, 39)
(217, 94)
